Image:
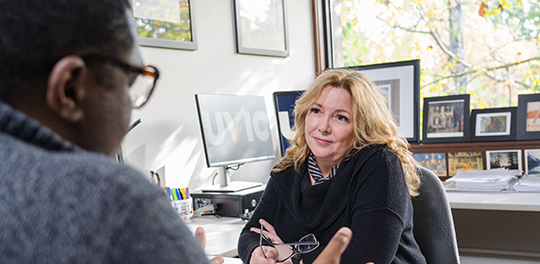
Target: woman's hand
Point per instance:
(257, 256)
(200, 235)
(270, 232)
(271, 253)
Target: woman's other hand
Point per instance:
(271, 253)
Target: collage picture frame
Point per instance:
(446, 119)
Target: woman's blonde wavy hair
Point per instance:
(372, 122)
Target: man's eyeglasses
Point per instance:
(143, 86)
(286, 251)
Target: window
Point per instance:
(487, 48)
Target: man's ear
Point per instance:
(65, 88)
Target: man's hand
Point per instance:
(332, 253)
(200, 235)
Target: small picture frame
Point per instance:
(528, 117)
(509, 159)
(532, 162)
(446, 119)
(435, 162)
(494, 124)
(464, 161)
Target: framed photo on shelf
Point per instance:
(528, 117)
(399, 83)
(436, 162)
(464, 161)
(261, 28)
(446, 119)
(165, 24)
(509, 159)
(494, 124)
(532, 162)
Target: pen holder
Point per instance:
(184, 208)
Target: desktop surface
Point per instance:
(221, 234)
(484, 200)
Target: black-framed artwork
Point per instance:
(165, 24)
(446, 119)
(493, 124)
(508, 159)
(261, 27)
(532, 162)
(528, 117)
(399, 83)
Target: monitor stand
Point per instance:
(228, 186)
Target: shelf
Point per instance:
(476, 147)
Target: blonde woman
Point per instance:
(346, 167)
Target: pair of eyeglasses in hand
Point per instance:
(286, 251)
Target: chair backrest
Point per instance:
(433, 223)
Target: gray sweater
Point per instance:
(62, 204)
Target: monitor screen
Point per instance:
(235, 129)
(284, 102)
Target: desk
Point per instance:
(232, 261)
(506, 201)
(221, 234)
(497, 222)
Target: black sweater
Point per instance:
(368, 194)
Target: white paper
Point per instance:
(494, 180)
(528, 184)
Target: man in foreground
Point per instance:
(70, 73)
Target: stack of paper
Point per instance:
(528, 184)
(486, 180)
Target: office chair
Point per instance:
(433, 223)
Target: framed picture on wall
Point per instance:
(261, 27)
(399, 83)
(532, 162)
(494, 124)
(508, 159)
(446, 119)
(165, 24)
(528, 117)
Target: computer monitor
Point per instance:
(284, 102)
(235, 130)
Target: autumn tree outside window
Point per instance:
(487, 48)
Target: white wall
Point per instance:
(169, 133)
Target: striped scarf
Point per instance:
(315, 171)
